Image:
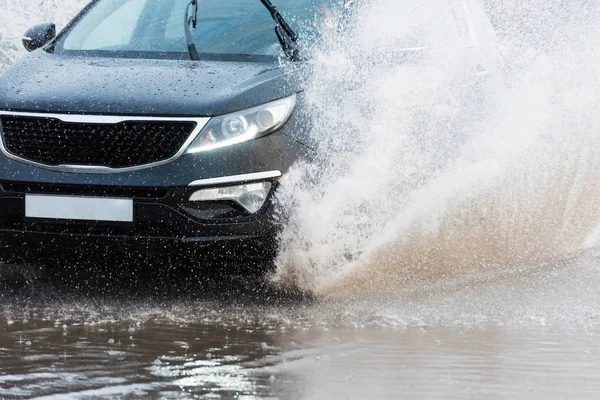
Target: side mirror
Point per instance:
(39, 35)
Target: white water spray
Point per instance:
(449, 160)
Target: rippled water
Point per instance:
(527, 334)
(443, 262)
(246, 362)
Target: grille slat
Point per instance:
(52, 142)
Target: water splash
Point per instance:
(446, 161)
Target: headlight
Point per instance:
(242, 126)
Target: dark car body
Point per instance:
(92, 125)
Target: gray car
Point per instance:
(159, 126)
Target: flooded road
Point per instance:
(526, 334)
(254, 360)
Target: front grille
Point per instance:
(53, 142)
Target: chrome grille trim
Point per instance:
(102, 119)
(257, 176)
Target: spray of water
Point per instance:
(443, 149)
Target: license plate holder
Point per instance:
(78, 208)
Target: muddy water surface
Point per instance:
(526, 334)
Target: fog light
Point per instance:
(251, 196)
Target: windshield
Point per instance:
(157, 27)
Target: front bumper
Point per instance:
(161, 224)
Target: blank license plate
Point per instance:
(78, 208)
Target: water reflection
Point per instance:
(473, 339)
(43, 357)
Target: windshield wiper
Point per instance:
(286, 35)
(191, 21)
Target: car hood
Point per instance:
(45, 82)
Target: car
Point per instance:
(154, 127)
